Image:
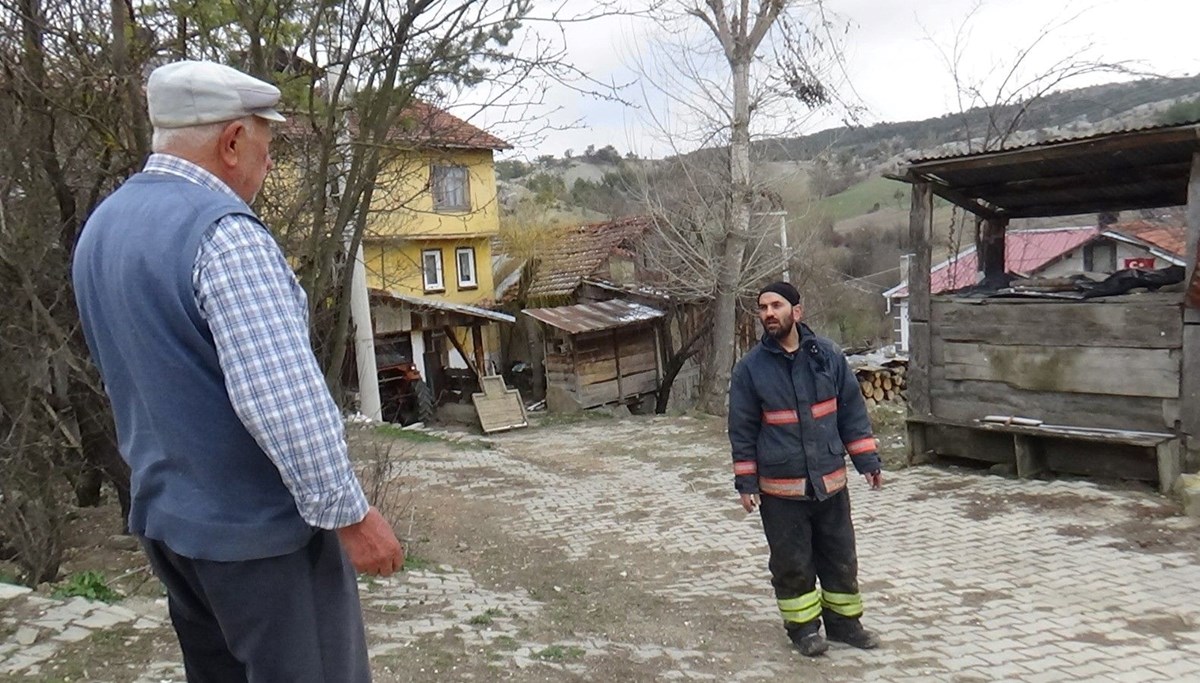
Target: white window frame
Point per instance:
(440, 201)
(438, 285)
(472, 279)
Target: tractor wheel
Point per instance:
(426, 411)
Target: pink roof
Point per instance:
(1025, 251)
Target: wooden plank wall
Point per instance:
(1112, 363)
(597, 365)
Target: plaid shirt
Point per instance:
(258, 315)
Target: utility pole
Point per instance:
(783, 241)
(369, 403)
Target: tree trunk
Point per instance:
(715, 400)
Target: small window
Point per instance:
(431, 268)
(466, 268)
(449, 186)
(1100, 257)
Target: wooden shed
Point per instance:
(599, 353)
(1106, 386)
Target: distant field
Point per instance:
(861, 198)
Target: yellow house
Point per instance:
(428, 252)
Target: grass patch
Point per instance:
(564, 419)
(559, 653)
(506, 643)
(486, 618)
(861, 198)
(410, 435)
(416, 562)
(90, 585)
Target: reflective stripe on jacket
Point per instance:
(794, 417)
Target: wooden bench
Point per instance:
(1167, 449)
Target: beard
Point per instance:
(781, 329)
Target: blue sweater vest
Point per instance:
(201, 483)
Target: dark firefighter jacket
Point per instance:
(792, 419)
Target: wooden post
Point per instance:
(1170, 464)
(1193, 233)
(918, 447)
(462, 352)
(617, 358)
(991, 247)
(477, 341)
(1031, 461)
(920, 344)
(1189, 387)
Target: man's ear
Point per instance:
(797, 313)
(228, 141)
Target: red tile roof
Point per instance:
(1025, 251)
(581, 252)
(425, 122)
(1028, 251)
(1169, 238)
(421, 125)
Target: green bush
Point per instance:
(90, 585)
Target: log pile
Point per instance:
(883, 384)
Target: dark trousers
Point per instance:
(813, 540)
(295, 618)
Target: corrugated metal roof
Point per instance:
(420, 302)
(580, 253)
(954, 151)
(603, 315)
(1116, 171)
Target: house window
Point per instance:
(431, 268)
(1100, 257)
(449, 185)
(465, 256)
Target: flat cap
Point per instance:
(191, 93)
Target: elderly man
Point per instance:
(794, 412)
(243, 494)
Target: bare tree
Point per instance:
(997, 104)
(729, 72)
(72, 110)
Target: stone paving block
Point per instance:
(73, 634)
(101, 619)
(8, 591)
(28, 658)
(26, 636)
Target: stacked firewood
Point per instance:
(882, 384)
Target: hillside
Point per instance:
(848, 218)
(1130, 103)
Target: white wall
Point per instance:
(1073, 263)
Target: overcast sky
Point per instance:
(891, 58)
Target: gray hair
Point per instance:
(188, 137)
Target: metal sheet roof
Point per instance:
(421, 302)
(1115, 171)
(603, 315)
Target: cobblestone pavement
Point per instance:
(966, 576)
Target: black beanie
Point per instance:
(783, 289)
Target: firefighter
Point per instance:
(795, 410)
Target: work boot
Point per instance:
(852, 633)
(808, 641)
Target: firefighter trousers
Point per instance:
(811, 540)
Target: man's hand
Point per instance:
(749, 501)
(875, 479)
(372, 546)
